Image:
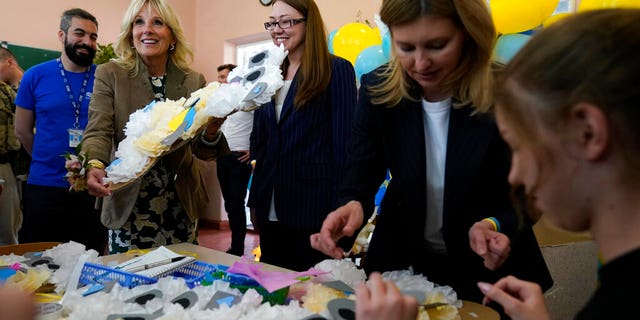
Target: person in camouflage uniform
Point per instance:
(10, 211)
(14, 160)
(11, 73)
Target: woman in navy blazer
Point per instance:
(299, 139)
(447, 211)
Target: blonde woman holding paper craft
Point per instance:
(161, 207)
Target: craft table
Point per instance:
(469, 311)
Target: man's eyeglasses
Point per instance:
(283, 24)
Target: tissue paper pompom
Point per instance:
(150, 145)
(317, 297)
(225, 100)
(341, 269)
(250, 305)
(162, 127)
(408, 281)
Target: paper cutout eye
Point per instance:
(235, 79)
(347, 314)
(257, 90)
(97, 287)
(143, 298)
(36, 261)
(314, 317)
(31, 255)
(342, 309)
(220, 298)
(39, 262)
(129, 317)
(258, 59)
(254, 75)
(187, 299)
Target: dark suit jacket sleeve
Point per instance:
(343, 100)
(257, 141)
(510, 221)
(365, 168)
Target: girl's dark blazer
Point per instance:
(476, 187)
(301, 158)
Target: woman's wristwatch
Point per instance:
(210, 140)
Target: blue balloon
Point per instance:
(330, 40)
(508, 45)
(369, 59)
(386, 45)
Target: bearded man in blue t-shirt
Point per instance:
(51, 113)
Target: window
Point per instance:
(566, 6)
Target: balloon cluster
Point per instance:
(515, 21)
(365, 47)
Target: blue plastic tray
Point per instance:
(202, 273)
(194, 274)
(96, 273)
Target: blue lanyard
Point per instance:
(67, 85)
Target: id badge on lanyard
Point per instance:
(75, 133)
(75, 136)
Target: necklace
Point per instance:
(83, 89)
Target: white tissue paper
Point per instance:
(149, 129)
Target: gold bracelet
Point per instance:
(95, 163)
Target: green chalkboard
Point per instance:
(28, 56)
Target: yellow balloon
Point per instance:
(352, 38)
(555, 18)
(628, 4)
(511, 16)
(604, 4)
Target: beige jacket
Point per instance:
(115, 96)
